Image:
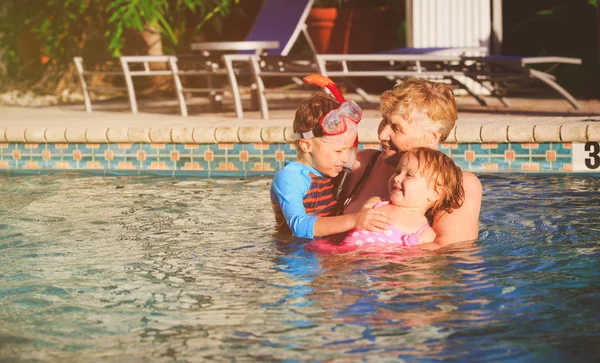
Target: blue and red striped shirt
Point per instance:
(300, 195)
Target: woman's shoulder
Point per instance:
(471, 183)
(367, 154)
(363, 158)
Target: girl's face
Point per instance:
(408, 187)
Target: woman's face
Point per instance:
(398, 135)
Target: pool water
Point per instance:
(145, 268)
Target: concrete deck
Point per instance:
(527, 120)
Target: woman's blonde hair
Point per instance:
(435, 99)
(441, 172)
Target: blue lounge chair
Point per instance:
(486, 71)
(447, 40)
(274, 33)
(276, 29)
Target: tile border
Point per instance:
(229, 159)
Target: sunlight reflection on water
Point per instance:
(139, 268)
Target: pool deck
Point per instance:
(526, 120)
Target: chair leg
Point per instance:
(547, 79)
(469, 91)
(254, 97)
(129, 82)
(86, 96)
(255, 67)
(178, 86)
(492, 91)
(237, 98)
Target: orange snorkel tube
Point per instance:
(325, 82)
(341, 180)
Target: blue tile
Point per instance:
(461, 149)
(561, 162)
(462, 163)
(500, 149)
(542, 148)
(501, 161)
(479, 150)
(536, 157)
(181, 148)
(239, 165)
(216, 150)
(445, 150)
(61, 150)
(561, 150)
(478, 163)
(270, 149)
(237, 148)
(11, 163)
(162, 151)
(288, 149)
(519, 149)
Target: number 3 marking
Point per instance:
(593, 161)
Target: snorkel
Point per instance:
(327, 83)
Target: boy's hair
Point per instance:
(435, 99)
(310, 111)
(441, 171)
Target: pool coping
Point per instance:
(63, 125)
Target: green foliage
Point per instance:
(67, 28)
(166, 15)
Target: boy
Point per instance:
(302, 192)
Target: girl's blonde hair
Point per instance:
(441, 171)
(435, 99)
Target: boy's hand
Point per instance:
(370, 219)
(370, 203)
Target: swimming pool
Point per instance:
(139, 268)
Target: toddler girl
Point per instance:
(425, 181)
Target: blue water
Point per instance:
(140, 268)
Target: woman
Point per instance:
(415, 113)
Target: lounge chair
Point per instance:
(276, 29)
(487, 71)
(447, 40)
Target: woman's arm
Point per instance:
(463, 223)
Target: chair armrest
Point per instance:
(235, 46)
(539, 60)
